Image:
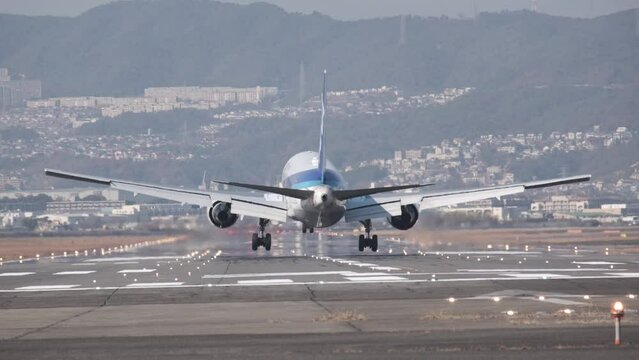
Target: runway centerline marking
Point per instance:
(126, 263)
(265, 281)
(17, 273)
(136, 258)
(375, 278)
(536, 275)
(46, 287)
(154, 285)
(83, 264)
(303, 273)
(80, 272)
(597, 263)
(127, 271)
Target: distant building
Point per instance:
(17, 92)
(74, 207)
(560, 204)
(8, 183)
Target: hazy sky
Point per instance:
(357, 9)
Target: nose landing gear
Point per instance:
(259, 238)
(367, 241)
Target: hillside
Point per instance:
(123, 47)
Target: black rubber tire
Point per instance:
(254, 242)
(311, 230)
(267, 242)
(374, 243)
(361, 243)
(303, 229)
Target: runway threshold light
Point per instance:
(617, 312)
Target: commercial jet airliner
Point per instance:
(315, 194)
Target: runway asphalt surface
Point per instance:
(316, 296)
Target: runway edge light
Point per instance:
(617, 312)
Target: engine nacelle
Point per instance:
(406, 220)
(221, 216)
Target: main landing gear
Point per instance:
(367, 241)
(259, 239)
(304, 229)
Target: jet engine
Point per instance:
(221, 216)
(406, 220)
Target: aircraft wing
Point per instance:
(389, 204)
(268, 206)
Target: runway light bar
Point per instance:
(542, 298)
(617, 307)
(451, 300)
(510, 313)
(568, 311)
(496, 299)
(632, 296)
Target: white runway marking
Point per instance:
(482, 252)
(154, 285)
(375, 278)
(384, 268)
(136, 258)
(530, 270)
(83, 264)
(302, 273)
(126, 262)
(633, 274)
(536, 276)
(265, 282)
(558, 301)
(74, 272)
(597, 263)
(127, 271)
(46, 287)
(16, 273)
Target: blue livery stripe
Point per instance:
(312, 177)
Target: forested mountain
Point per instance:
(123, 47)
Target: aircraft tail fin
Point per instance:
(322, 142)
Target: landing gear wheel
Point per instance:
(311, 230)
(361, 242)
(255, 242)
(303, 229)
(374, 243)
(267, 242)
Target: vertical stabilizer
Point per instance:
(322, 147)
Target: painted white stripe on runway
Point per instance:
(354, 274)
(530, 270)
(16, 273)
(384, 268)
(135, 258)
(74, 272)
(46, 287)
(83, 264)
(482, 252)
(126, 271)
(537, 276)
(558, 301)
(303, 273)
(154, 285)
(265, 282)
(126, 262)
(375, 278)
(629, 274)
(597, 263)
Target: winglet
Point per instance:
(322, 148)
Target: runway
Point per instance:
(317, 296)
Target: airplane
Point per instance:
(315, 194)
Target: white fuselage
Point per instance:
(322, 210)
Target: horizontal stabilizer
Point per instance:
(294, 193)
(349, 194)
